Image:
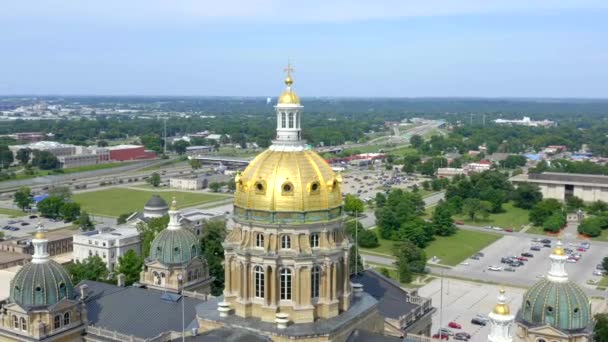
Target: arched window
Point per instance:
(290, 120)
(62, 290)
(15, 322)
(17, 291)
(285, 284)
(193, 250)
(314, 240)
(23, 324)
(39, 295)
(315, 281)
(66, 318)
(259, 281)
(285, 242)
(57, 322)
(189, 279)
(283, 123)
(259, 240)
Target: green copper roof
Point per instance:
(40, 285)
(561, 305)
(172, 247)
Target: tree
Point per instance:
(122, 219)
(154, 180)
(50, 206)
(441, 222)
(385, 272)
(6, 156)
(215, 186)
(542, 210)
(147, 232)
(62, 192)
(417, 231)
(416, 141)
(130, 265)
(195, 164)
(527, 195)
(23, 155)
(180, 146)
(353, 204)
(593, 226)
(600, 331)
(410, 259)
(152, 142)
(355, 262)
(212, 250)
(597, 207)
(513, 161)
(102, 143)
(69, 211)
(45, 160)
(574, 203)
(364, 238)
(555, 222)
(23, 198)
(92, 268)
(84, 222)
(471, 207)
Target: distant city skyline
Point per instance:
(468, 48)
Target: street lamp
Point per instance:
(180, 279)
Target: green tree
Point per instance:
(180, 146)
(102, 143)
(6, 156)
(353, 204)
(147, 232)
(355, 262)
(597, 207)
(600, 331)
(555, 222)
(365, 238)
(152, 142)
(130, 264)
(417, 231)
(62, 192)
(122, 218)
(527, 195)
(513, 161)
(23, 155)
(593, 226)
(92, 268)
(215, 186)
(84, 222)
(24, 198)
(195, 164)
(154, 180)
(471, 207)
(416, 141)
(50, 206)
(542, 210)
(441, 222)
(69, 211)
(574, 203)
(385, 272)
(45, 160)
(212, 250)
(410, 259)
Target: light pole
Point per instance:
(180, 279)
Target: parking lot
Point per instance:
(27, 225)
(464, 300)
(533, 269)
(366, 183)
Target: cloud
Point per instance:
(184, 11)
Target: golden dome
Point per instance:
(559, 250)
(40, 235)
(501, 308)
(289, 97)
(295, 181)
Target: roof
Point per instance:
(156, 201)
(136, 311)
(569, 177)
(198, 214)
(6, 257)
(123, 147)
(366, 336)
(392, 299)
(111, 233)
(228, 335)
(41, 285)
(174, 247)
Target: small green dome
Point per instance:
(562, 305)
(178, 246)
(40, 285)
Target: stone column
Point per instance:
(334, 281)
(295, 286)
(267, 272)
(306, 286)
(346, 274)
(273, 286)
(327, 281)
(227, 275)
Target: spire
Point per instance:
(40, 243)
(501, 320)
(289, 112)
(174, 216)
(557, 272)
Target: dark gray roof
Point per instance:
(392, 299)
(227, 335)
(136, 311)
(366, 336)
(569, 177)
(156, 202)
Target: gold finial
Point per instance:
(502, 291)
(288, 70)
(559, 250)
(502, 308)
(174, 204)
(40, 233)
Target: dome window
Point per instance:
(260, 187)
(17, 291)
(549, 309)
(62, 290)
(287, 189)
(314, 187)
(528, 304)
(176, 250)
(193, 250)
(576, 310)
(159, 249)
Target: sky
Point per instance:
(344, 48)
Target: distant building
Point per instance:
(200, 149)
(194, 219)
(187, 183)
(107, 243)
(78, 160)
(57, 149)
(8, 259)
(449, 172)
(31, 137)
(526, 121)
(561, 186)
(480, 166)
(59, 242)
(130, 152)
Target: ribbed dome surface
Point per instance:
(172, 247)
(40, 285)
(156, 202)
(561, 305)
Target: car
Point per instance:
(535, 248)
(446, 331)
(536, 240)
(465, 263)
(509, 230)
(454, 325)
(475, 257)
(460, 223)
(481, 255)
(25, 224)
(509, 269)
(482, 317)
(598, 273)
(599, 267)
(463, 334)
(522, 258)
(33, 216)
(478, 321)
(497, 228)
(494, 268)
(460, 338)
(547, 245)
(527, 255)
(571, 260)
(581, 249)
(505, 260)
(545, 241)
(540, 276)
(443, 337)
(488, 227)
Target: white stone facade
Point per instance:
(109, 244)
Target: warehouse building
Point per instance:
(561, 186)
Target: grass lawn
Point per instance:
(603, 283)
(535, 230)
(116, 201)
(513, 218)
(403, 151)
(603, 237)
(11, 212)
(452, 250)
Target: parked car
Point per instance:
(598, 273)
(460, 223)
(527, 255)
(454, 325)
(495, 268)
(545, 241)
(522, 258)
(475, 257)
(443, 337)
(25, 224)
(599, 267)
(535, 248)
(478, 321)
(460, 338)
(581, 249)
(547, 245)
(509, 269)
(446, 331)
(509, 230)
(33, 216)
(464, 334)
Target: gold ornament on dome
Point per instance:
(289, 96)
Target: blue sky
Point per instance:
(443, 48)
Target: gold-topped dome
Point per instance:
(559, 250)
(501, 308)
(40, 235)
(289, 96)
(288, 181)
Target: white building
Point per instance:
(561, 186)
(109, 244)
(187, 183)
(526, 121)
(194, 219)
(78, 160)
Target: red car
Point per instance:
(454, 325)
(522, 259)
(581, 249)
(443, 336)
(460, 223)
(509, 230)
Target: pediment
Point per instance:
(14, 307)
(547, 330)
(62, 305)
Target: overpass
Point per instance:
(228, 161)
